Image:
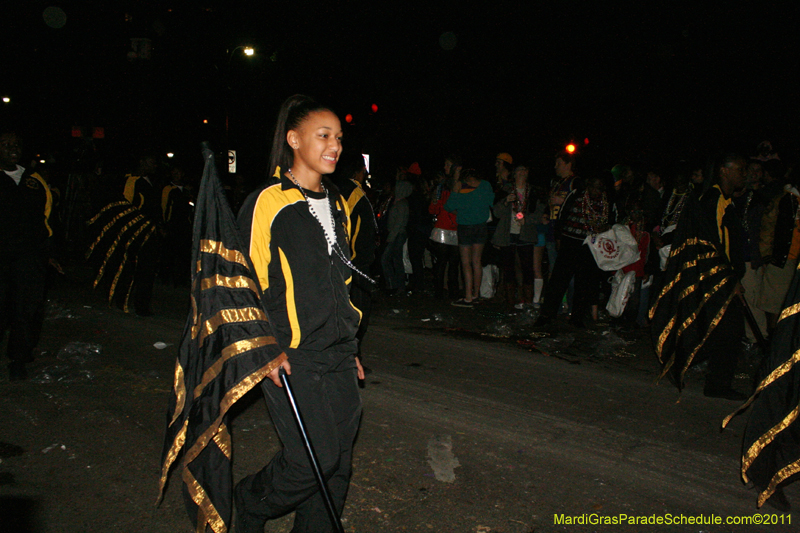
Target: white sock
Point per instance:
(537, 290)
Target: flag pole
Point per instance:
(751, 321)
(323, 486)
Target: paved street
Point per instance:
(465, 429)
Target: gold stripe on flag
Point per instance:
(223, 441)
(174, 449)
(781, 370)
(781, 476)
(106, 208)
(688, 290)
(668, 287)
(236, 392)
(180, 392)
(237, 348)
(207, 513)
(125, 259)
(208, 246)
(114, 247)
(711, 328)
(233, 282)
(107, 228)
(789, 311)
(226, 316)
(765, 439)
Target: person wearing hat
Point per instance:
(502, 168)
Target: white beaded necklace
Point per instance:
(330, 233)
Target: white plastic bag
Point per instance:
(622, 285)
(664, 251)
(663, 255)
(407, 260)
(613, 249)
(491, 275)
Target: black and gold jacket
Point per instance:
(144, 195)
(306, 290)
(364, 229)
(24, 213)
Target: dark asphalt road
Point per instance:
(462, 432)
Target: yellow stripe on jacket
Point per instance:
(724, 237)
(48, 202)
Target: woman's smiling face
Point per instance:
(317, 143)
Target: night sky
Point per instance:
(641, 80)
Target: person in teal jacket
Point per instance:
(471, 201)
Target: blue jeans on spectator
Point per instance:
(394, 271)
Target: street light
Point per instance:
(249, 51)
(6, 100)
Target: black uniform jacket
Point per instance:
(306, 290)
(24, 214)
(144, 195)
(364, 228)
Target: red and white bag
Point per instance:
(622, 285)
(613, 249)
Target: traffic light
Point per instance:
(374, 108)
(348, 118)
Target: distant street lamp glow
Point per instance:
(6, 99)
(248, 51)
(571, 148)
(170, 155)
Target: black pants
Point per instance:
(22, 290)
(574, 259)
(509, 255)
(447, 257)
(417, 241)
(145, 275)
(723, 348)
(331, 409)
(176, 258)
(361, 297)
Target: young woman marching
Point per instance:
(298, 232)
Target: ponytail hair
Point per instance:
(292, 113)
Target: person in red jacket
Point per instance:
(444, 234)
(636, 223)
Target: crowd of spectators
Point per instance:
(532, 228)
(462, 235)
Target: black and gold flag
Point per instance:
(698, 286)
(122, 233)
(771, 446)
(227, 349)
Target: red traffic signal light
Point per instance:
(348, 118)
(374, 108)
